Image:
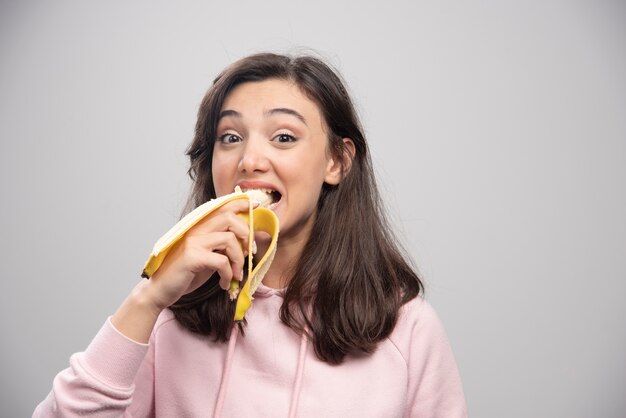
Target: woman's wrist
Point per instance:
(136, 316)
(145, 295)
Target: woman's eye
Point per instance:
(229, 138)
(284, 138)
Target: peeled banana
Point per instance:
(260, 219)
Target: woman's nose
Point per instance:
(254, 156)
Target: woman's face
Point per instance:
(271, 136)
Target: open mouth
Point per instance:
(267, 198)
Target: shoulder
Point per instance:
(418, 325)
(434, 384)
(417, 312)
(165, 317)
(165, 321)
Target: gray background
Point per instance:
(498, 130)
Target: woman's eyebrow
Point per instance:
(278, 110)
(286, 111)
(228, 112)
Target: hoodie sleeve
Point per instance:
(434, 387)
(113, 377)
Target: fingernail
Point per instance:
(241, 275)
(253, 247)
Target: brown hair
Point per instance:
(352, 277)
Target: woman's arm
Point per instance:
(112, 377)
(114, 372)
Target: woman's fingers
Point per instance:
(226, 218)
(220, 264)
(218, 251)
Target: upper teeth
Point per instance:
(262, 196)
(269, 191)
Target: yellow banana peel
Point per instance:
(260, 219)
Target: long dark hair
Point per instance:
(352, 278)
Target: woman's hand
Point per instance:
(215, 244)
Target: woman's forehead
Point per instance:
(273, 97)
(275, 93)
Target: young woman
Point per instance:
(337, 329)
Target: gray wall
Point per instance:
(498, 130)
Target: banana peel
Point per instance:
(260, 219)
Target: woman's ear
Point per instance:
(338, 168)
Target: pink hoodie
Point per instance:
(269, 372)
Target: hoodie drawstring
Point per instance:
(295, 395)
(226, 374)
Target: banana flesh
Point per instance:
(260, 219)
